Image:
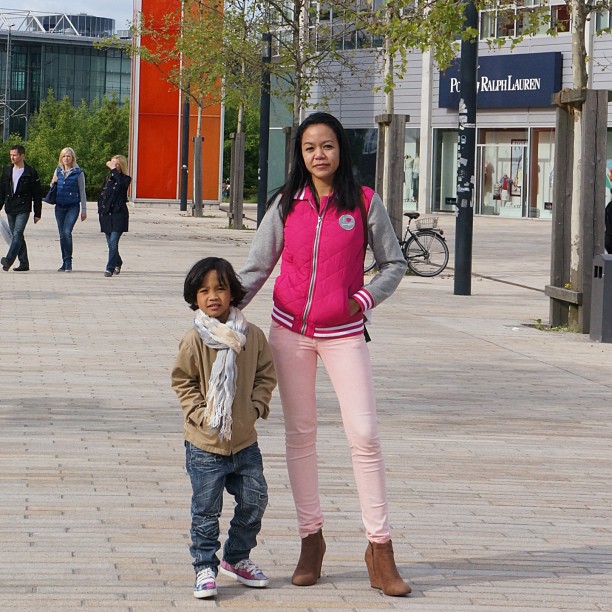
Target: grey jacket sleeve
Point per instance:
(82, 193)
(387, 252)
(265, 252)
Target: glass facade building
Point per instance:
(82, 24)
(69, 65)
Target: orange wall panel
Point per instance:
(156, 94)
(157, 158)
(155, 148)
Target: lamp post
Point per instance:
(264, 126)
(466, 153)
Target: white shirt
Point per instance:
(17, 172)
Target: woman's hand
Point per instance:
(83, 216)
(354, 307)
(112, 163)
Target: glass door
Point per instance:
(501, 186)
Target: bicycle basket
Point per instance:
(426, 223)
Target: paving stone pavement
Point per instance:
(497, 436)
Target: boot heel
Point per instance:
(383, 571)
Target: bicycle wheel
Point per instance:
(426, 253)
(369, 263)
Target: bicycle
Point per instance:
(424, 249)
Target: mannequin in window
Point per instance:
(408, 173)
(416, 167)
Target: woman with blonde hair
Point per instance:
(70, 198)
(113, 210)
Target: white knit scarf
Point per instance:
(228, 338)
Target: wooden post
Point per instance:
(197, 176)
(563, 296)
(392, 137)
(236, 181)
(593, 193)
(383, 121)
(290, 134)
(562, 202)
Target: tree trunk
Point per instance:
(300, 36)
(389, 110)
(197, 166)
(237, 173)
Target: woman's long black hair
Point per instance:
(346, 189)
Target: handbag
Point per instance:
(51, 194)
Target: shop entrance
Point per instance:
(514, 172)
(502, 177)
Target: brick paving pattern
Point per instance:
(497, 436)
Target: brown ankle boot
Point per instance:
(308, 569)
(382, 570)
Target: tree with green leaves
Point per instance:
(95, 132)
(309, 41)
(437, 25)
(250, 125)
(207, 50)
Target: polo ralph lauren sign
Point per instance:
(507, 81)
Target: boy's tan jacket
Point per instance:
(256, 381)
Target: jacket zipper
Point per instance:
(315, 256)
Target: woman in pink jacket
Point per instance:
(319, 223)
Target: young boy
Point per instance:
(224, 377)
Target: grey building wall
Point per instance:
(356, 103)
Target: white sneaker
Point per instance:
(205, 584)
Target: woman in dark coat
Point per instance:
(113, 210)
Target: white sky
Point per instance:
(119, 10)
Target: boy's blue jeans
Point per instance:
(242, 476)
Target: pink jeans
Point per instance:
(347, 362)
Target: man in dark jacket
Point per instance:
(19, 187)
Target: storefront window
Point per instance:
(542, 173)
(514, 172)
(501, 172)
(444, 193)
(412, 169)
(364, 144)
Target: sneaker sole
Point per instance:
(205, 594)
(252, 583)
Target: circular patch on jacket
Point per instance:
(347, 222)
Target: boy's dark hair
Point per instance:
(225, 273)
(19, 148)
